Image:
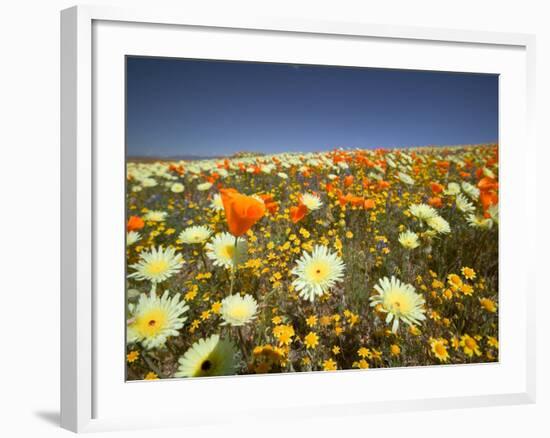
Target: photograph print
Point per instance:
(285, 218)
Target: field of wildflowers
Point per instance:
(322, 261)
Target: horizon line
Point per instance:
(196, 157)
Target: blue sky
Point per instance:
(214, 108)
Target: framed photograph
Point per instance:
(267, 216)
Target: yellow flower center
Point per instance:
(157, 267)
(468, 273)
(151, 323)
(455, 280)
(440, 349)
(317, 272)
(470, 343)
(488, 305)
(397, 302)
(238, 311)
(228, 251)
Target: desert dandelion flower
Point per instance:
(155, 216)
(237, 310)
(207, 357)
(400, 302)
(157, 265)
(471, 190)
(439, 225)
(204, 186)
(282, 175)
(177, 188)
(195, 234)
(422, 211)
(479, 222)
(452, 189)
(317, 272)
(155, 319)
(149, 182)
(493, 212)
(463, 204)
(409, 240)
(132, 237)
(405, 178)
(311, 201)
(217, 203)
(225, 252)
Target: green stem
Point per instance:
(234, 268)
(151, 365)
(232, 283)
(203, 258)
(242, 344)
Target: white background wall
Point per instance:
(29, 218)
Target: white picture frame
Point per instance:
(93, 36)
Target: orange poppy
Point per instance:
(272, 207)
(212, 178)
(487, 183)
(135, 223)
(487, 199)
(298, 213)
(492, 160)
(344, 199)
(348, 180)
(174, 168)
(270, 204)
(369, 204)
(436, 188)
(241, 211)
(435, 202)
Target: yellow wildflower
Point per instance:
(311, 340)
(132, 356)
(329, 365)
